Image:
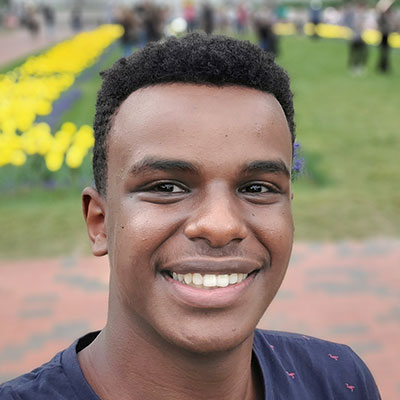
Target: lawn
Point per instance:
(348, 127)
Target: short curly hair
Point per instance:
(195, 58)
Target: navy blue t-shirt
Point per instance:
(293, 367)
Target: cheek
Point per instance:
(141, 227)
(137, 233)
(277, 238)
(274, 229)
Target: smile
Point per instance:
(208, 281)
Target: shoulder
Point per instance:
(294, 339)
(298, 343)
(45, 381)
(314, 362)
(60, 378)
(304, 348)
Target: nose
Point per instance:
(217, 220)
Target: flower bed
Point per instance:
(30, 90)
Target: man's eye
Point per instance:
(256, 188)
(167, 188)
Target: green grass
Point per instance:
(348, 127)
(41, 223)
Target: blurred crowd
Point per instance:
(146, 20)
(39, 18)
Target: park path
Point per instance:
(347, 292)
(15, 45)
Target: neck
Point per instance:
(122, 364)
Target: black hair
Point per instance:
(194, 58)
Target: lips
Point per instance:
(210, 282)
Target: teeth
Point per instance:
(209, 280)
(233, 278)
(222, 280)
(187, 278)
(197, 279)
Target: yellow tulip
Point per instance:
(43, 107)
(29, 144)
(84, 137)
(9, 126)
(25, 120)
(5, 157)
(18, 158)
(69, 127)
(74, 157)
(54, 160)
(44, 139)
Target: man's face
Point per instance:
(198, 212)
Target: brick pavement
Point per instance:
(347, 292)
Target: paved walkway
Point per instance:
(346, 292)
(17, 44)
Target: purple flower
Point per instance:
(298, 162)
(61, 105)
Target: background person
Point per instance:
(385, 28)
(358, 51)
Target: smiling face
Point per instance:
(198, 223)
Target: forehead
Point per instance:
(199, 123)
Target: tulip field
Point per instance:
(28, 93)
(347, 125)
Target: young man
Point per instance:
(192, 204)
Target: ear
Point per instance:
(93, 205)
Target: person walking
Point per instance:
(384, 24)
(358, 49)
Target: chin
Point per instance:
(206, 341)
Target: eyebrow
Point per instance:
(151, 164)
(268, 166)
